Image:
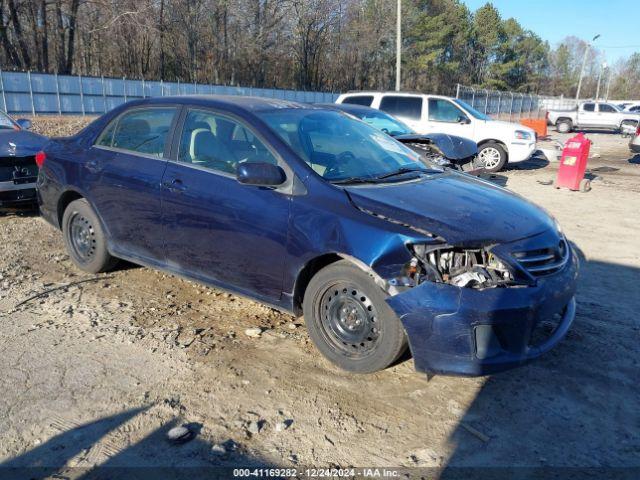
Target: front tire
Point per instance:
(492, 157)
(84, 238)
(349, 320)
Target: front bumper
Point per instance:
(464, 331)
(521, 150)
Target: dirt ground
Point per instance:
(95, 373)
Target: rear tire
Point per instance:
(349, 320)
(564, 126)
(84, 238)
(492, 157)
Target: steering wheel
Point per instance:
(336, 169)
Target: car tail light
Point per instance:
(638, 130)
(40, 158)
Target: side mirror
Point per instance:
(260, 174)
(24, 124)
(463, 120)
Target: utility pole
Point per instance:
(608, 85)
(398, 44)
(584, 63)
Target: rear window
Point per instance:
(143, 130)
(407, 107)
(365, 100)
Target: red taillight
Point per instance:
(638, 130)
(40, 158)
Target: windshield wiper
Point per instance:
(401, 171)
(350, 180)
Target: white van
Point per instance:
(498, 142)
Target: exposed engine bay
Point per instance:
(465, 268)
(443, 150)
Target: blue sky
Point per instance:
(617, 21)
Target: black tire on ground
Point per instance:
(492, 157)
(350, 322)
(564, 126)
(85, 239)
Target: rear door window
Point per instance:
(407, 107)
(589, 107)
(143, 130)
(365, 100)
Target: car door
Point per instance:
(214, 227)
(123, 179)
(608, 115)
(588, 115)
(406, 108)
(445, 117)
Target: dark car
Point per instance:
(316, 213)
(438, 148)
(18, 170)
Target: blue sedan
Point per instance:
(318, 214)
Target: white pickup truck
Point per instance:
(498, 142)
(598, 115)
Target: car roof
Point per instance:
(228, 102)
(349, 107)
(392, 92)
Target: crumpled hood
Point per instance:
(20, 143)
(451, 146)
(465, 211)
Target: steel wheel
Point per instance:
(348, 319)
(83, 237)
(489, 157)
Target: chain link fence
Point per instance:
(42, 93)
(511, 106)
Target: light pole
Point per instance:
(584, 63)
(398, 43)
(602, 69)
(606, 98)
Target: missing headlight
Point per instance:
(467, 268)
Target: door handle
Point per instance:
(174, 186)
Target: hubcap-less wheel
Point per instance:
(82, 236)
(348, 320)
(489, 157)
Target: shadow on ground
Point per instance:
(85, 453)
(583, 397)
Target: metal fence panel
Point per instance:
(45, 93)
(511, 105)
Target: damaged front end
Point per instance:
(469, 268)
(444, 150)
(467, 311)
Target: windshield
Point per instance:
(340, 148)
(472, 111)
(382, 121)
(6, 122)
